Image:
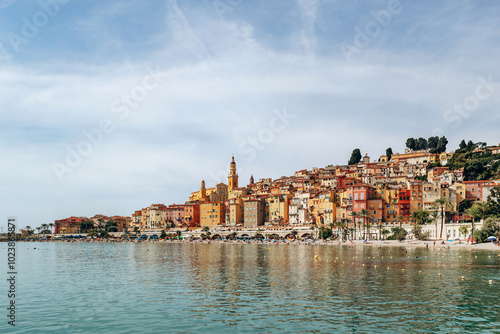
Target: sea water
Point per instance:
(243, 288)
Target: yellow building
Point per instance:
(390, 202)
(212, 214)
(214, 194)
(461, 191)
(276, 210)
(235, 211)
(200, 195)
(323, 208)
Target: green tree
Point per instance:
(493, 201)
(365, 213)
(419, 234)
(258, 233)
(490, 228)
(324, 232)
(483, 208)
(86, 225)
(411, 143)
(463, 144)
(400, 220)
(110, 226)
(464, 229)
(389, 153)
(474, 212)
(163, 234)
(294, 234)
(398, 233)
(432, 143)
(422, 143)
(464, 205)
(434, 215)
(442, 203)
(354, 215)
(355, 157)
(385, 232)
(442, 143)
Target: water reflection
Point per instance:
(245, 288)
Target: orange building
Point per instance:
(212, 214)
(68, 225)
(122, 223)
(192, 214)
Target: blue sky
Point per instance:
(268, 81)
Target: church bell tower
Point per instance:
(232, 178)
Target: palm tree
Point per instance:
(354, 216)
(483, 208)
(380, 231)
(442, 203)
(434, 216)
(464, 229)
(400, 218)
(365, 213)
(136, 230)
(28, 228)
(51, 228)
(44, 227)
(474, 212)
(294, 233)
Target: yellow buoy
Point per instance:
(315, 256)
(420, 271)
(491, 281)
(463, 277)
(402, 269)
(439, 274)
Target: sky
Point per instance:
(107, 107)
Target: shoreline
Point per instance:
(358, 243)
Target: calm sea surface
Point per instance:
(232, 288)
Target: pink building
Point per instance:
(175, 214)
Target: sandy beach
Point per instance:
(356, 243)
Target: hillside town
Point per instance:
(386, 192)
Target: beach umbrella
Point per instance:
(491, 238)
